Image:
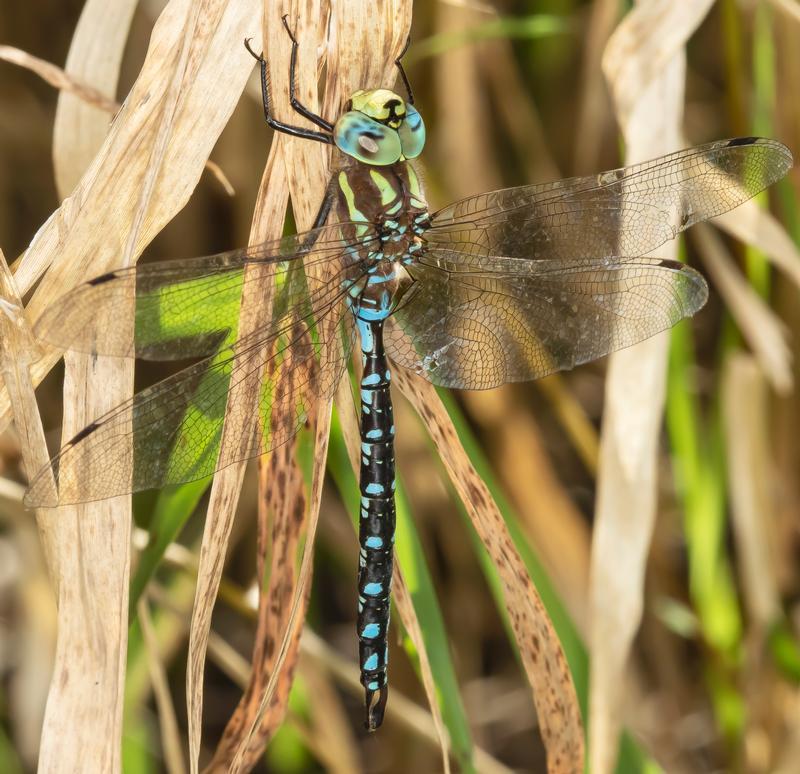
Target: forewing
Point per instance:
(475, 323)
(173, 431)
(624, 212)
(190, 308)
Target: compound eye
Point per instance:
(412, 133)
(362, 138)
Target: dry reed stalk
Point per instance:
(751, 482)
(644, 64)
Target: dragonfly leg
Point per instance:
(274, 123)
(296, 104)
(399, 64)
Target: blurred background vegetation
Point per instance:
(511, 93)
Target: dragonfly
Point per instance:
(499, 287)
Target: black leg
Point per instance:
(325, 207)
(319, 221)
(280, 126)
(403, 75)
(296, 104)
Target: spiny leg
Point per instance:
(295, 102)
(399, 65)
(274, 123)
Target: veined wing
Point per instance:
(176, 310)
(173, 431)
(624, 212)
(477, 322)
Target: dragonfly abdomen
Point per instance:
(377, 522)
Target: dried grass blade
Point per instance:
(239, 426)
(642, 48)
(59, 79)
(252, 726)
(280, 526)
(540, 650)
(94, 58)
(84, 237)
(757, 227)
(644, 64)
(405, 608)
(18, 349)
(546, 512)
(745, 407)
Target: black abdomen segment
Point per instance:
(377, 520)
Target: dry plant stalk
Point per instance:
(644, 63)
(540, 650)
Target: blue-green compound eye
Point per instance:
(412, 133)
(362, 138)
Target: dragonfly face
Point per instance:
(379, 128)
(508, 285)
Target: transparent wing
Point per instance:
(475, 323)
(624, 212)
(188, 308)
(173, 431)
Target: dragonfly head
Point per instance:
(379, 128)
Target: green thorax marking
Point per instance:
(374, 196)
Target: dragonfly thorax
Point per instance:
(379, 128)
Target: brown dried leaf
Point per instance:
(86, 235)
(540, 650)
(546, 512)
